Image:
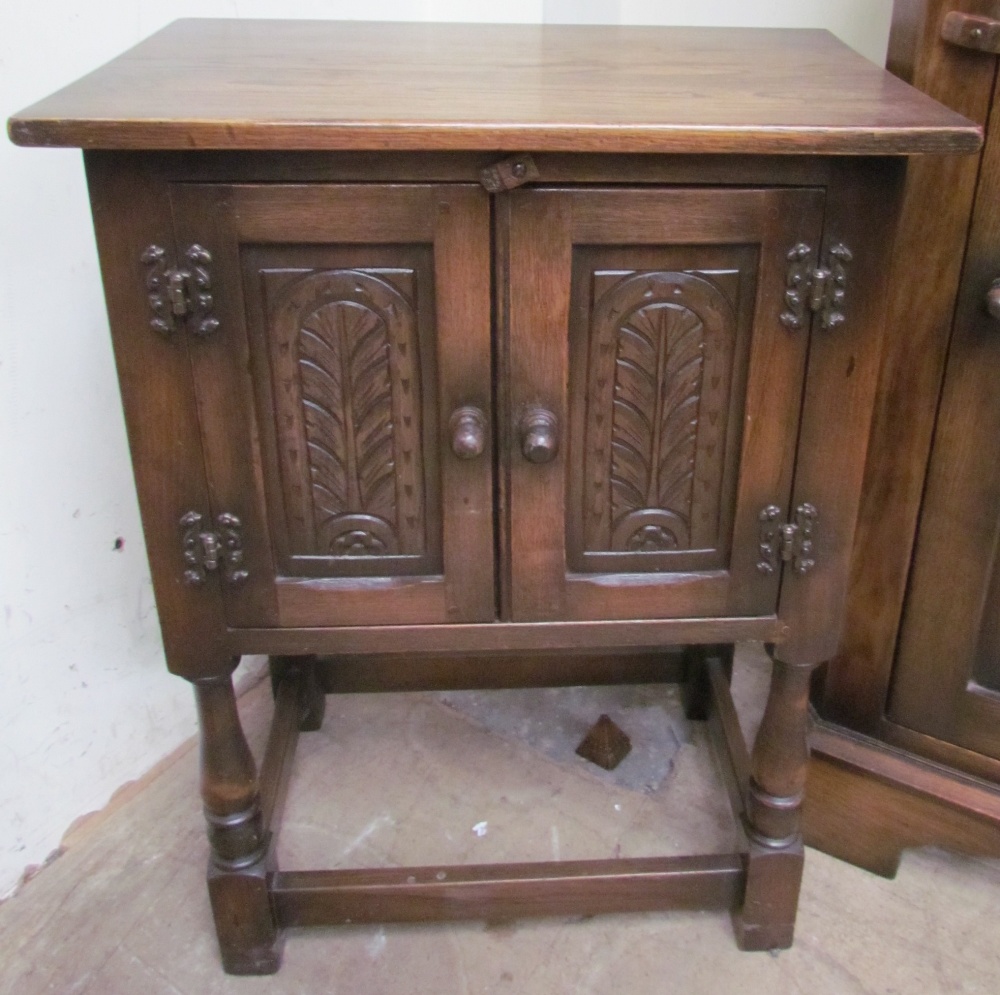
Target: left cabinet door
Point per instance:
(344, 397)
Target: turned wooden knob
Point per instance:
(468, 433)
(539, 435)
(993, 299)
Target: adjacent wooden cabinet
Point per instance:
(528, 344)
(907, 752)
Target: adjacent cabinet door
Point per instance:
(946, 680)
(352, 347)
(653, 397)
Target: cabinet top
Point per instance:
(324, 85)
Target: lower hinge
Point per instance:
(206, 551)
(789, 542)
(820, 290)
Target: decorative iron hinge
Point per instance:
(206, 551)
(791, 542)
(509, 173)
(176, 292)
(820, 289)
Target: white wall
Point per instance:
(85, 701)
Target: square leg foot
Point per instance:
(265, 960)
(766, 920)
(766, 936)
(249, 939)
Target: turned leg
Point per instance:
(238, 868)
(312, 698)
(696, 691)
(773, 812)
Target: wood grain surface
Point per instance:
(253, 84)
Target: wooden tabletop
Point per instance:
(253, 84)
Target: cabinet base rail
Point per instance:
(254, 902)
(501, 892)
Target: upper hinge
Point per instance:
(509, 173)
(180, 292)
(206, 551)
(791, 542)
(820, 290)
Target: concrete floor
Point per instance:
(416, 780)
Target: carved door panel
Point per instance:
(654, 398)
(352, 322)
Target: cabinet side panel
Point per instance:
(131, 212)
(840, 381)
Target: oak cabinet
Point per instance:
(480, 346)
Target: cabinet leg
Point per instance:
(249, 940)
(774, 812)
(696, 691)
(312, 698)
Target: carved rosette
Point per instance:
(654, 435)
(347, 364)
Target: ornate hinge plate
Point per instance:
(206, 551)
(177, 293)
(820, 290)
(787, 542)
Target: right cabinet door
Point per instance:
(653, 397)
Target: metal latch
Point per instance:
(820, 290)
(180, 292)
(206, 551)
(789, 542)
(509, 173)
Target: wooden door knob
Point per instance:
(468, 432)
(539, 435)
(993, 299)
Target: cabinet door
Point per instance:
(645, 348)
(946, 681)
(353, 322)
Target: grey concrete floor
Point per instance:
(404, 779)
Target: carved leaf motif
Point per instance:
(680, 400)
(632, 425)
(658, 372)
(347, 401)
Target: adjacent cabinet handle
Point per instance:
(993, 299)
(975, 31)
(539, 435)
(468, 433)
